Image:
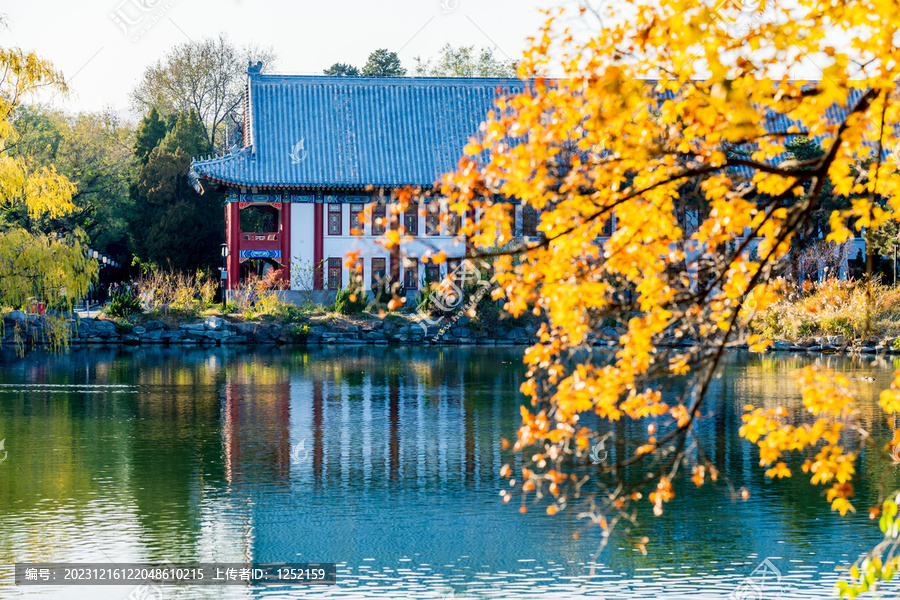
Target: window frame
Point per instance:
(432, 219)
(407, 271)
(530, 220)
(340, 218)
(357, 211)
(379, 211)
(454, 223)
(411, 216)
(378, 274)
(334, 263)
(432, 272)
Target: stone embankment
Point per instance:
(30, 329)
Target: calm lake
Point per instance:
(384, 461)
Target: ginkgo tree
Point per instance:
(45, 267)
(652, 105)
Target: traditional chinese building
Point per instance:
(320, 152)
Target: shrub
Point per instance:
(838, 326)
(350, 302)
(300, 332)
(184, 293)
(123, 305)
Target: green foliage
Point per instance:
(464, 62)
(172, 224)
(342, 70)
(188, 136)
(124, 305)
(53, 270)
(300, 332)
(92, 151)
(149, 134)
(350, 301)
(383, 64)
(125, 327)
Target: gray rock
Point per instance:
(193, 327)
(154, 325)
(215, 323)
(103, 326)
(138, 330)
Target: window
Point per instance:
(453, 223)
(608, 227)
(529, 220)
(411, 221)
(334, 273)
(433, 219)
(357, 227)
(411, 275)
(259, 219)
(513, 222)
(379, 221)
(432, 274)
(378, 272)
(334, 219)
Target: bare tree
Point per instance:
(206, 75)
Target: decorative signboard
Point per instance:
(260, 254)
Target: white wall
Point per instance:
(302, 245)
(337, 246)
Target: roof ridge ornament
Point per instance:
(254, 69)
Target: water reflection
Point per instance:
(384, 461)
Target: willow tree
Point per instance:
(51, 268)
(655, 101)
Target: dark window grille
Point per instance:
(334, 273)
(334, 219)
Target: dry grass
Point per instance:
(834, 307)
(168, 292)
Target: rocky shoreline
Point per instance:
(19, 327)
(30, 329)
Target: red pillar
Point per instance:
(233, 234)
(318, 251)
(286, 242)
(394, 225)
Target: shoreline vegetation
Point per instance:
(833, 316)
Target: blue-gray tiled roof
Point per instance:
(320, 132)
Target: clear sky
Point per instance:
(103, 46)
